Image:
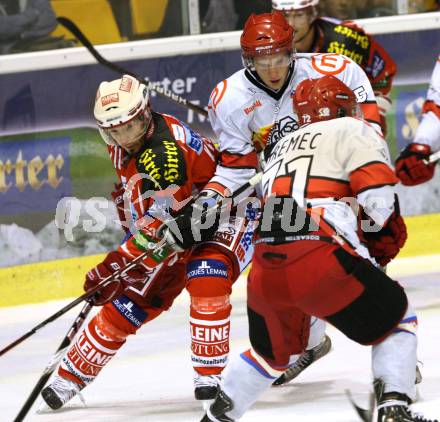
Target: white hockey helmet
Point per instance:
(288, 5)
(119, 102)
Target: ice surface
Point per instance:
(150, 380)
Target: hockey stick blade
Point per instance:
(366, 415)
(79, 35)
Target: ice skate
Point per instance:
(206, 386)
(60, 391)
(304, 361)
(393, 407)
(217, 410)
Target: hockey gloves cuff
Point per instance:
(385, 244)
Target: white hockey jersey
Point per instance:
(246, 115)
(333, 166)
(428, 132)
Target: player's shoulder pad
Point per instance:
(323, 64)
(362, 132)
(161, 161)
(183, 133)
(231, 93)
(354, 26)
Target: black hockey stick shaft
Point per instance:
(73, 28)
(111, 278)
(71, 333)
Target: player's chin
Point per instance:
(276, 84)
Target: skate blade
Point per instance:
(206, 404)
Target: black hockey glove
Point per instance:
(195, 223)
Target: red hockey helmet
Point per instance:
(324, 98)
(267, 33)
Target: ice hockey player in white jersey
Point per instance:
(412, 166)
(311, 177)
(252, 110)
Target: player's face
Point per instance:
(130, 135)
(273, 69)
(300, 21)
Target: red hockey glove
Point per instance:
(410, 167)
(385, 244)
(112, 262)
(118, 199)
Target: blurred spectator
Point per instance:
(245, 7)
(382, 8)
(229, 15)
(340, 9)
(218, 15)
(417, 6)
(24, 23)
(172, 24)
(121, 11)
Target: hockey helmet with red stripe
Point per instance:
(267, 33)
(122, 111)
(324, 98)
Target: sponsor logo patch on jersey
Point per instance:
(329, 63)
(130, 311)
(195, 142)
(178, 132)
(162, 160)
(250, 109)
(186, 135)
(207, 268)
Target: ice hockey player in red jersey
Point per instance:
(252, 110)
(412, 164)
(313, 181)
(315, 34)
(161, 163)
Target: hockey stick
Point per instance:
(73, 28)
(111, 278)
(366, 415)
(73, 330)
(433, 158)
(88, 295)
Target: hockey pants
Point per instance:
(352, 294)
(208, 276)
